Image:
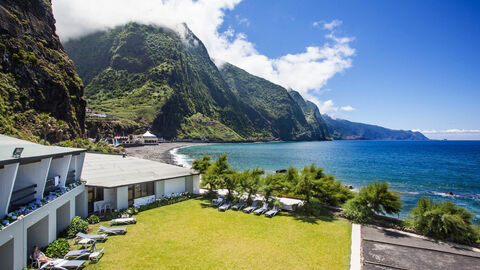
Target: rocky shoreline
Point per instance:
(160, 152)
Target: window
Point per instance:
(140, 190)
(95, 194)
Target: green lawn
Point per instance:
(189, 235)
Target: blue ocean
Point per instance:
(413, 168)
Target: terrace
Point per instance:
(191, 234)
(40, 192)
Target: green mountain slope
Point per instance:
(278, 109)
(312, 115)
(35, 73)
(346, 130)
(152, 76)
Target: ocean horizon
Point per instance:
(435, 169)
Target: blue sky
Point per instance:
(398, 64)
(416, 63)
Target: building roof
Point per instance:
(31, 151)
(149, 135)
(110, 171)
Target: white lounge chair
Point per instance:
(217, 202)
(251, 207)
(225, 206)
(80, 253)
(121, 230)
(96, 237)
(64, 264)
(262, 209)
(240, 205)
(123, 221)
(273, 211)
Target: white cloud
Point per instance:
(347, 108)
(452, 134)
(327, 106)
(241, 20)
(306, 72)
(332, 25)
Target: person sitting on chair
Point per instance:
(38, 255)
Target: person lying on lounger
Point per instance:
(38, 255)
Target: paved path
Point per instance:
(391, 249)
(355, 249)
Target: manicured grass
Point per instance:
(191, 235)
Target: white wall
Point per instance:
(81, 204)
(33, 173)
(7, 181)
(196, 184)
(174, 185)
(159, 189)
(37, 228)
(79, 165)
(59, 166)
(76, 163)
(122, 197)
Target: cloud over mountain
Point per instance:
(306, 72)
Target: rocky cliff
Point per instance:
(35, 73)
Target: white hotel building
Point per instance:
(48, 185)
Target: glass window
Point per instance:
(139, 190)
(150, 189)
(95, 194)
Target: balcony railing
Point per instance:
(22, 196)
(22, 205)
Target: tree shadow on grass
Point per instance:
(313, 213)
(205, 203)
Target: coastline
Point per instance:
(163, 152)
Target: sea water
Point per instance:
(413, 168)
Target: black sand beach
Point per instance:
(160, 152)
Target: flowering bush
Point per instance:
(27, 209)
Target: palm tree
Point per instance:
(46, 125)
(250, 181)
(60, 127)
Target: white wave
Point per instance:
(180, 159)
(410, 192)
(445, 194)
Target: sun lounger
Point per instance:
(273, 212)
(225, 206)
(251, 207)
(240, 205)
(262, 209)
(80, 253)
(64, 264)
(121, 230)
(84, 242)
(96, 237)
(123, 221)
(217, 202)
(95, 256)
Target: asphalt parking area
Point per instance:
(384, 249)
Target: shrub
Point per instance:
(111, 215)
(77, 225)
(93, 219)
(58, 248)
(357, 210)
(443, 220)
(373, 199)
